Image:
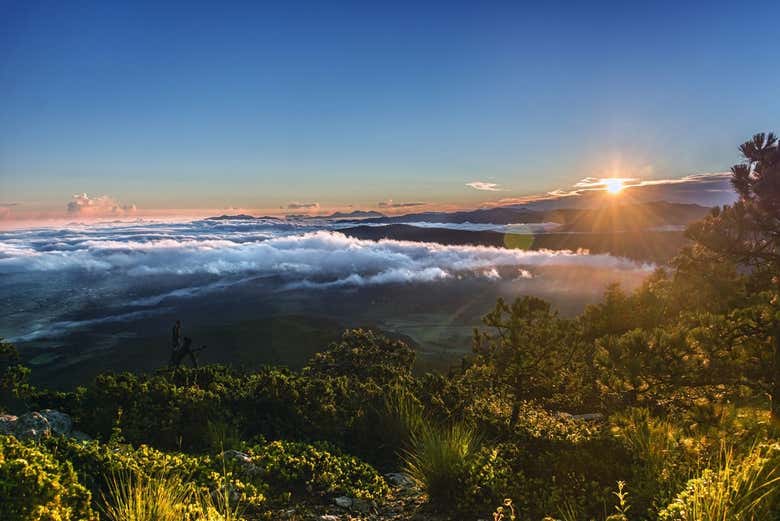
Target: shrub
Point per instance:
(300, 469)
(36, 487)
(99, 463)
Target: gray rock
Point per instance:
(362, 506)
(397, 479)
(31, 425)
(343, 502)
(59, 422)
(7, 423)
(237, 455)
(592, 416)
(36, 425)
(80, 436)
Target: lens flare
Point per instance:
(613, 186)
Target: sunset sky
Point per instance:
(151, 109)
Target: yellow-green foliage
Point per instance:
(36, 487)
(294, 468)
(98, 463)
(736, 490)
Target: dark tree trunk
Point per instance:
(776, 374)
(515, 414)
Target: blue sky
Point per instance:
(207, 105)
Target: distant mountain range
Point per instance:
(357, 214)
(648, 246)
(240, 217)
(615, 218)
(631, 217)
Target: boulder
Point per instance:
(363, 506)
(80, 436)
(396, 479)
(591, 416)
(59, 422)
(31, 425)
(36, 425)
(237, 455)
(343, 502)
(7, 423)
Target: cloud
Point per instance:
(101, 206)
(119, 271)
(482, 185)
(390, 204)
(316, 257)
(303, 206)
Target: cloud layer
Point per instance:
(316, 257)
(86, 276)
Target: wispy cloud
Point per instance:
(295, 205)
(706, 189)
(482, 185)
(390, 204)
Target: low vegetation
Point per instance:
(660, 404)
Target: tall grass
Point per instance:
(736, 490)
(158, 497)
(663, 460)
(437, 461)
(139, 497)
(402, 418)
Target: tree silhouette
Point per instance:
(748, 232)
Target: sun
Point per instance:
(613, 185)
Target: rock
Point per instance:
(31, 425)
(59, 422)
(593, 416)
(35, 425)
(80, 436)
(243, 460)
(362, 506)
(397, 479)
(329, 517)
(343, 502)
(7, 423)
(241, 457)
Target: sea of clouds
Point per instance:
(295, 252)
(47, 271)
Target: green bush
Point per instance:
(34, 486)
(98, 464)
(320, 470)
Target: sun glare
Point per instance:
(613, 186)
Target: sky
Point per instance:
(112, 108)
